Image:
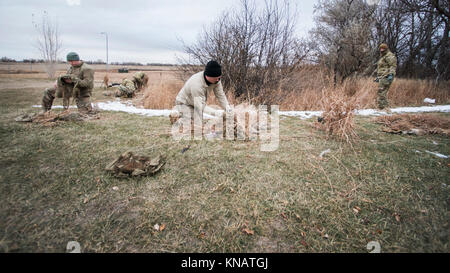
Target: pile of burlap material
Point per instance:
(51, 118)
(129, 164)
(417, 124)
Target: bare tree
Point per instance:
(255, 46)
(48, 42)
(348, 32)
(343, 36)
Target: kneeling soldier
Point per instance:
(77, 83)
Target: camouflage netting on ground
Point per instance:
(419, 124)
(50, 118)
(129, 164)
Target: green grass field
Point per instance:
(222, 196)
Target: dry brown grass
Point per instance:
(161, 94)
(306, 91)
(403, 92)
(426, 123)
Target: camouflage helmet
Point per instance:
(72, 56)
(383, 45)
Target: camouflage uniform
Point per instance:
(126, 89)
(140, 80)
(82, 77)
(386, 67)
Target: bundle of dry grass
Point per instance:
(245, 123)
(338, 115)
(51, 118)
(105, 82)
(417, 124)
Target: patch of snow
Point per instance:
(301, 114)
(121, 107)
(370, 112)
(437, 154)
(429, 100)
(324, 152)
(127, 106)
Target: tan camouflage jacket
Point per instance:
(386, 65)
(85, 78)
(129, 84)
(196, 86)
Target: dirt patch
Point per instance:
(12, 83)
(418, 124)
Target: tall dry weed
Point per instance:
(338, 114)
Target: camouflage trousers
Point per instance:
(383, 89)
(65, 91)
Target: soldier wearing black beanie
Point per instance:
(213, 69)
(198, 86)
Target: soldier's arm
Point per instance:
(392, 61)
(220, 95)
(87, 80)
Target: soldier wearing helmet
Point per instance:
(77, 83)
(140, 80)
(386, 67)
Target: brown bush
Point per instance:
(338, 114)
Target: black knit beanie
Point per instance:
(213, 69)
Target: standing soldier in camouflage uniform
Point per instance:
(77, 83)
(140, 80)
(386, 68)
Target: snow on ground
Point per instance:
(127, 107)
(437, 154)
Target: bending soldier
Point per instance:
(140, 80)
(127, 89)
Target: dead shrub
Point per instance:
(338, 115)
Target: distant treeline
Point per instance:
(9, 60)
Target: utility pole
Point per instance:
(106, 34)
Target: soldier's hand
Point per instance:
(390, 77)
(66, 78)
(229, 110)
(74, 78)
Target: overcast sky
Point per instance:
(146, 31)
